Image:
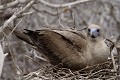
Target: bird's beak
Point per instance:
(94, 33)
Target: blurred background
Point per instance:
(48, 14)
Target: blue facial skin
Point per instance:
(93, 32)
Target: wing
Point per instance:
(56, 46)
(59, 48)
(77, 38)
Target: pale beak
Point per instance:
(94, 33)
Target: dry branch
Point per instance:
(118, 51)
(17, 14)
(63, 5)
(14, 3)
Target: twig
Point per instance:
(59, 20)
(118, 51)
(14, 3)
(11, 53)
(103, 70)
(13, 58)
(14, 28)
(73, 16)
(62, 5)
(72, 74)
(28, 76)
(111, 42)
(113, 60)
(112, 56)
(39, 57)
(53, 13)
(36, 73)
(34, 60)
(17, 14)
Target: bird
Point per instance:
(73, 49)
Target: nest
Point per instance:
(104, 71)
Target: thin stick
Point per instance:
(11, 53)
(34, 61)
(118, 51)
(59, 20)
(103, 70)
(14, 28)
(113, 60)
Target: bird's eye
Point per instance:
(98, 30)
(88, 30)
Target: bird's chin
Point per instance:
(93, 39)
(94, 36)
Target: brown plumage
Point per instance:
(73, 49)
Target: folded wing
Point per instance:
(60, 48)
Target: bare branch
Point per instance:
(12, 4)
(63, 5)
(53, 13)
(118, 50)
(17, 14)
(59, 20)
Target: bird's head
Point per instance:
(94, 32)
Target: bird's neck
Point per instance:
(94, 41)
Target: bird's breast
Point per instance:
(98, 53)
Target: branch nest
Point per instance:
(99, 71)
